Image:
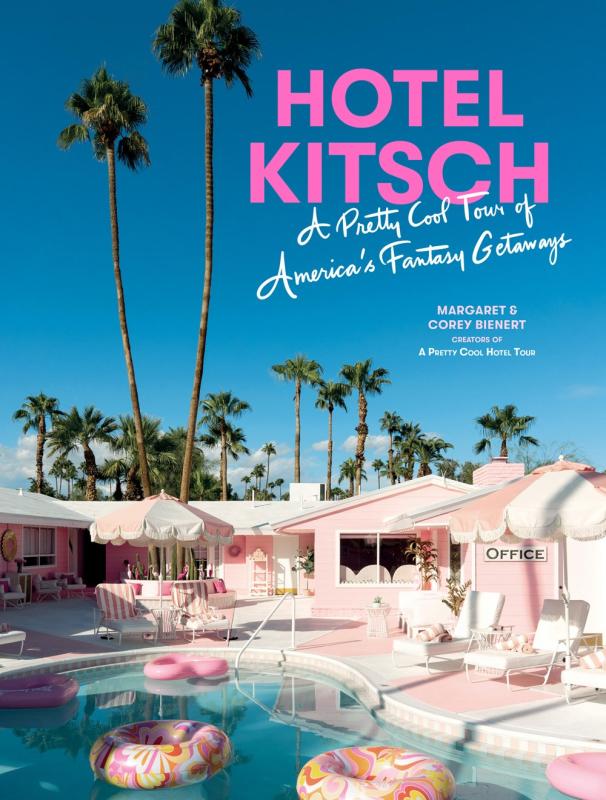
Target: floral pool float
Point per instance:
(581, 775)
(388, 773)
(160, 754)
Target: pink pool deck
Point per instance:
(334, 645)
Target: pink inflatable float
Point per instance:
(177, 667)
(581, 775)
(37, 691)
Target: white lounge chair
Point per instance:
(190, 598)
(577, 677)
(13, 637)
(119, 613)
(480, 610)
(548, 643)
(72, 585)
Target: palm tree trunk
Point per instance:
(208, 269)
(378, 479)
(91, 473)
(267, 476)
(504, 452)
(392, 474)
(223, 465)
(40, 439)
(329, 457)
(297, 431)
(351, 486)
(130, 367)
(362, 431)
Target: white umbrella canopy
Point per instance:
(555, 502)
(564, 499)
(160, 520)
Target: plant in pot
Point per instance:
(426, 560)
(304, 562)
(456, 593)
(377, 602)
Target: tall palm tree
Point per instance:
(114, 469)
(430, 451)
(331, 395)
(391, 423)
(231, 442)
(362, 378)
(210, 35)
(258, 473)
(506, 425)
(301, 371)
(74, 431)
(159, 451)
(269, 448)
(407, 441)
(246, 480)
(35, 413)
(348, 471)
(109, 116)
(279, 482)
(379, 468)
(217, 410)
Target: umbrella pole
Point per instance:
(566, 600)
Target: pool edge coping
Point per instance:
(443, 727)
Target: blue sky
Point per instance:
(60, 333)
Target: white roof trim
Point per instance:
(379, 494)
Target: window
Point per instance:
(375, 558)
(39, 547)
(209, 558)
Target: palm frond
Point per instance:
(133, 151)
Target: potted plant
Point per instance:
(426, 560)
(377, 602)
(456, 595)
(304, 562)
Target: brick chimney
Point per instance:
(497, 471)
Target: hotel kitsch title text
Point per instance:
(458, 89)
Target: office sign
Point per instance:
(515, 554)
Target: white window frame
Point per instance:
(38, 555)
(362, 532)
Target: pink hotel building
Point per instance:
(358, 543)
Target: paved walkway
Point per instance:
(56, 629)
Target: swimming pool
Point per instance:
(276, 721)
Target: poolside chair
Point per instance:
(45, 589)
(548, 644)
(13, 637)
(189, 597)
(119, 613)
(11, 593)
(72, 585)
(479, 611)
(580, 677)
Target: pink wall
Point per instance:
(334, 598)
(61, 549)
(525, 584)
(114, 556)
(236, 568)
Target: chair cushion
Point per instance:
(5, 586)
(577, 676)
(12, 636)
(219, 586)
(501, 660)
(412, 647)
(133, 625)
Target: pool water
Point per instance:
(276, 723)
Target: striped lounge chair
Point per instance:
(190, 599)
(119, 613)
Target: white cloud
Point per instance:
(320, 447)
(580, 390)
(374, 444)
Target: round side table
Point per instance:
(377, 621)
